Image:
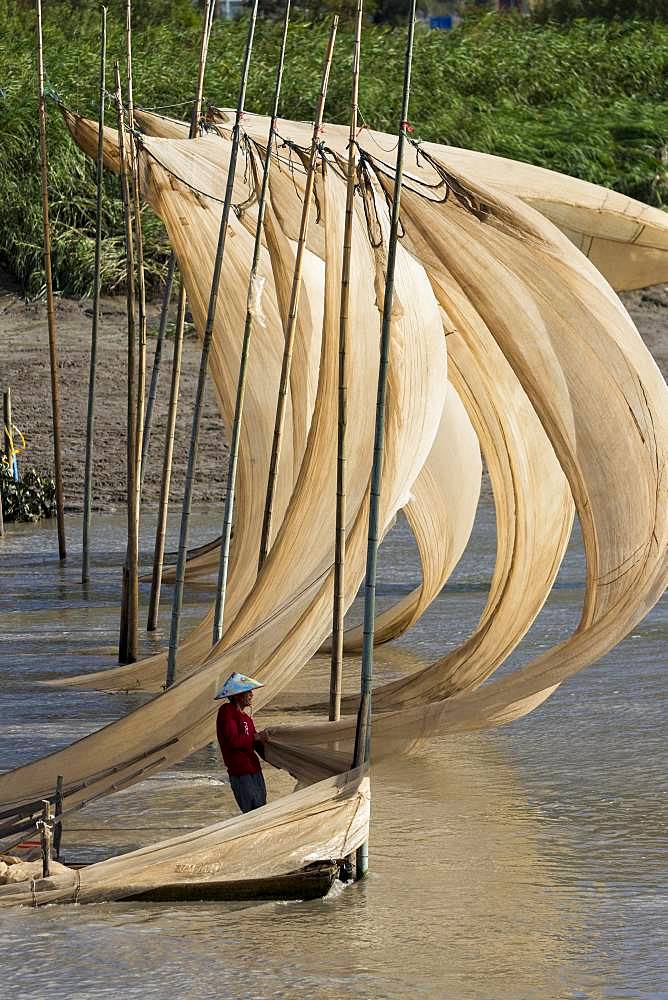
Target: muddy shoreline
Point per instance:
(24, 366)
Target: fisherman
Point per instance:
(240, 743)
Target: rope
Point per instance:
(417, 186)
(247, 141)
(168, 107)
(371, 136)
(181, 180)
(13, 450)
(8, 457)
(467, 198)
(51, 92)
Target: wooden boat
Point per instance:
(311, 882)
(248, 857)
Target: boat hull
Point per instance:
(312, 882)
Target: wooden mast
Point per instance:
(163, 506)
(253, 292)
(204, 361)
(90, 419)
(129, 637)
(294, 301)
(50, 307)
(363, 734)
(340, 530)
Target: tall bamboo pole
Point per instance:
(139, 243)
(204, 361)
(50, 307)
(129, 640)
(294, 301)
(90, 419)
(128, 648)
(363, 734)
(245, 347)
(157, 363)
(161, 530)
(339, 609)
(163, 506)
(9, 431)
(209, 17)
(157, 356)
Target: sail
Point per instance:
(566, 401)
(626, 240)
(284, 618)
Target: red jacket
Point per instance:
(236, 735)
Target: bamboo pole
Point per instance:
(163, 506)
(207, 24)
(157, 363)
(209, 20)
(128, 648)
(129, 641)
(161, 530)
(363, 734)
(254, 290)
(90, 418)
(46, 836)
(139, 243)
(2, 516)
(57, 813)
(157, 357)
(338, 611)
(294, 302)
(8, 431)
(204, 360)
(50, 306)
(133, 553)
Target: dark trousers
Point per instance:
(249, 790)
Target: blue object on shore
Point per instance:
(443, 22)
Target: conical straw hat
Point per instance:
(236, 683)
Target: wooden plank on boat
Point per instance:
(311, 882)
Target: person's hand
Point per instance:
(262, 737)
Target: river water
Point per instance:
(528, 862)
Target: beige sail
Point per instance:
(286, 615)
(626, 240)
(567, 403)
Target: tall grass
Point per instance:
(589, 99)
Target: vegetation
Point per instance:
(588, 98)
(29, 499)
(568, 10)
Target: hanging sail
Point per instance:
(564, 397)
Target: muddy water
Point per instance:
(521, 863)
